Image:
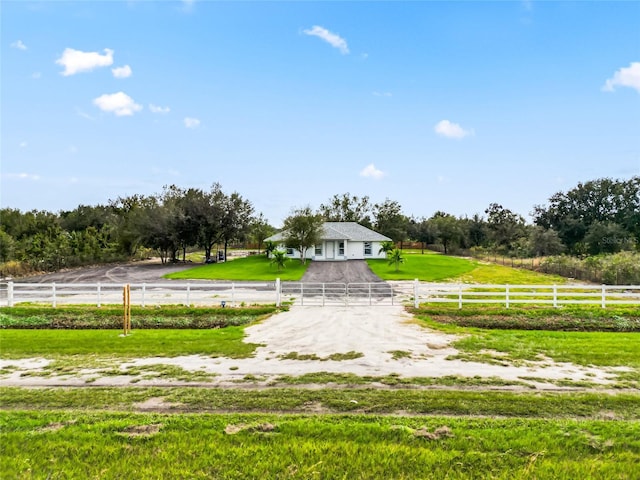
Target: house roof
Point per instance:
(350, 231)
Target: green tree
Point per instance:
(395, 258)
(303, 229)
(260, 229)
(544, 242)
(505, 227)
(390, 221)
(279, 258)
(270, 247)
(607, 237)
(386, 247)
(448, 230)
(347, 208)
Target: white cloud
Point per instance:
(382, 94)
(82, 114)
(23, 144)
(370, 171)
(36, 75)
(19, 45)
(119, 103)
(21, 176)
(625, 77)
(451, 130)
(76, 61)
(190, 122)
(157, 109)
(121, 72)
(332, 39)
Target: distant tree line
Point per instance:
(596, 217)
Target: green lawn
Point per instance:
(253, 268)
(111, 445)
(427, 268)
(434, 267)
(75, 344)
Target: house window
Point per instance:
(289, 251)
(341, 248)
(367, 248)
(319, 250)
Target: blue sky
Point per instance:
(437, 105)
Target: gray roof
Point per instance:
(350, 231)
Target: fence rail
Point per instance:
(507, 295)
(321, 294)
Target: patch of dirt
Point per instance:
(142, 430)
(156, 404)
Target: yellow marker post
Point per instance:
(126, 302)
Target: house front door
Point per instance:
(331, 252)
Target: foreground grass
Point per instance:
(254, 268)
(225, 342)
(72, 444)
(585, 405)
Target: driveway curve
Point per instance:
(350, 271)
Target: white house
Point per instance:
(340, 241)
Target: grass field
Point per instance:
(461, 430)
(253, 268)
(433, 267)
(80, 444)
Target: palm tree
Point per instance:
(395, 258)
(386, 247)
(270, 247)
(279, 257)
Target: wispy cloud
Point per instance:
(157, 109)
(82, 114)
(370, 171)
(36, 75)
(382, 94)
(19, 45)
(625, 77)
(77, 61)
(331, 38)
(191, 122)
(122, 72)
(447, 129)
(23, 144)
(21, 176)
(119, 104)
(72, 149)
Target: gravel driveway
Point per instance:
(350, 271)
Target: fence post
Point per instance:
(604, 297)
(369, 294)
(144, 287)
(460, 296)
(10, 294)
(99, 305)
(278, 301)
(507, 296)
(233, 292)
(53, 294)
(555, 296)
(323, 294)
(302, 294)
(416, 285)
(188, 294)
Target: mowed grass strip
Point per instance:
(73, 444)
(253, 268)
(227, 342)
(526, 404)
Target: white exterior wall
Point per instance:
(353, 251)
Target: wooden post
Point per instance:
(126, 304)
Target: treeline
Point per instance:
(597, 217)
(164, 224)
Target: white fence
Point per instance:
(321, 294)
(507, 295)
